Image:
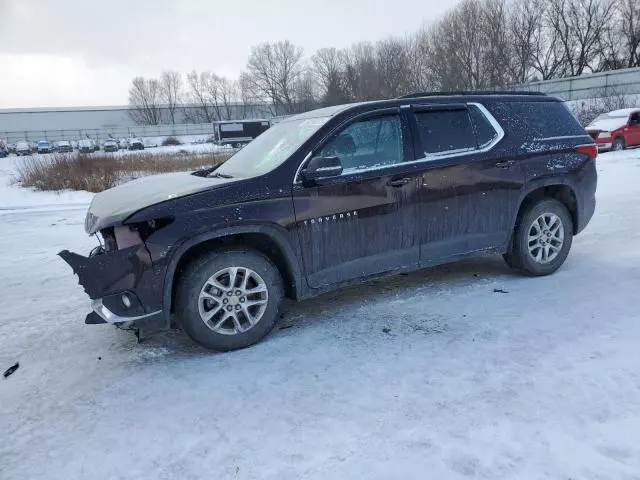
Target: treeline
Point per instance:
(478, 44)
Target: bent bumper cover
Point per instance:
(107, 316)
(108, 278)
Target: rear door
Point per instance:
(356, 224)
(466, 196)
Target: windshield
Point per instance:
(271, 148)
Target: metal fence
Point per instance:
(101, 134)
(595, 85)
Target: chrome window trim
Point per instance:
(296, 177)
(561, 137)
(436, 156)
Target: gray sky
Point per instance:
(85, 52)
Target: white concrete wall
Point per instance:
(65, 123)
(625, 81)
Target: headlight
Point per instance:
(604, 134)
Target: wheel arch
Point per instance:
(268, 240)
(550, 188)
(620, 136)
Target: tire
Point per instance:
(520, 258)
(196, 279)
(618, 144)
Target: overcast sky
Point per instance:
(85, 52)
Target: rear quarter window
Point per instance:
(445, 131)
(536, 120)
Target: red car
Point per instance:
(616, 130)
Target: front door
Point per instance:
(355, 225)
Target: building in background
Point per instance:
(68, 123)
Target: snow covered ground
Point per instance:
(428, 375)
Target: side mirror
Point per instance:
(321, 167)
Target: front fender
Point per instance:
(276, 233)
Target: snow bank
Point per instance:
(13, 197)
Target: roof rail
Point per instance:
(472, 92)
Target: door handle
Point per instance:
(506, 164)
(398, 182)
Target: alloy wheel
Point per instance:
(546, 237)
(233, 300)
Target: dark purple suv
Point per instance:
(336, 196)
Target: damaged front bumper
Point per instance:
(122, 286)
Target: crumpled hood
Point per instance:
(116, 204)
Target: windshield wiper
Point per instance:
(210, 173)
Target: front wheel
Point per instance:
(542, 239)
(229, 299)
(618, 144)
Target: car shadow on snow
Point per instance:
(484, 270)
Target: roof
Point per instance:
(623, 112)
(437, 97)
(473, 92)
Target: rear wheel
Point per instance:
(542, 239)
(229, 299)
(618, 144)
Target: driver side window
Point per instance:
(370, 143)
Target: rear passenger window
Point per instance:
(485, 133)
(445, 131)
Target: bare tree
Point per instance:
(392, 67)
(458, 49)
(144, 100)
(171, 92)
(228, 96)
(630, 31)
(328, 70)
(524, 17)
(547, 53)
(305, 92)
(478, 44)
(247, 95)
(201, 110)
(419, 52)
(273, 70)
(360, 75)
(578, 25)
(498, 57)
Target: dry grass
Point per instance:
(95, 173)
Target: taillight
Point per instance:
(591, 150)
